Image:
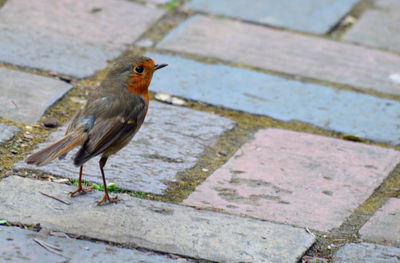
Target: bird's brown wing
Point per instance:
(73, 122)
(112, 132)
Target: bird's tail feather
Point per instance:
(59, 148)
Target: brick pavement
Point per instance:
(24, 97)
(296, 182)
(72, 38)
(315, 16)
(384, 226)
(343, 111)
(286, 52)
(300, 179)
(378, 27)
(7, 132)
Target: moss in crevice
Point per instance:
(340, 29)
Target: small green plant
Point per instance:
(98, 187)
(15, 147)
(139, 194)
(172, 4)
(111, 187)
(73, 181)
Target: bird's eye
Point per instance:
(139, 69)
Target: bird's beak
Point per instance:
(159, 66)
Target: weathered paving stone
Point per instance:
(18, 245)
(153, 225)
(286, 52)
(7, 132)
(170, 141)
(378, 28)
(286, 100)
(384, 226)
(159, 2)
(313, 16)
(296, 178)
(70, 37)
(24, 97)
(366, 253)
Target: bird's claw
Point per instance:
(81, 190)
(109, 199)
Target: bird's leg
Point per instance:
(80, 189)
(106, 197)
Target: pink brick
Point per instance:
(287, 52)
(296, 178)
(384, 226)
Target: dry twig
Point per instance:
(49, 247)
(55, 198)
(308, 230)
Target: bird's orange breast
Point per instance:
(139, 85)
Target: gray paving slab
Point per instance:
(154, 225)
(377, 28)
(287, 100)
(312, 16)
(286, 52)
(24, 97)
(171, 140)
(297, 178)
(384, 226)
(7, 132)
(18, 245)
(366, 253)
(159, 2)
(70, 37)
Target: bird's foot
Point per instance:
(109, 199)
(81, 190)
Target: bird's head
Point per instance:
(135, 72)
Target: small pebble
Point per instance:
(165, 97)
(348, 20)
(204, 169)
(223, 153)
(162, 96)
(177, 101)
(13, 151)
(50, 123)
(61, 180)
(78, 100)
(28, 136)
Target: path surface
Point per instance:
(253, 165)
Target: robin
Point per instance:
(109, 120)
